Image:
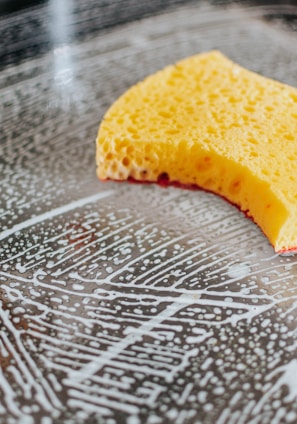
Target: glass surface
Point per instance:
(124, 303)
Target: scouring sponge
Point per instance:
(210, 123)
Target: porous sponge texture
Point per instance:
(209, 122)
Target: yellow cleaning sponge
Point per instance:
(210, 123)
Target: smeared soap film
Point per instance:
(129, 304)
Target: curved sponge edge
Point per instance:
(210, 123)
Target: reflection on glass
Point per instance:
(61, 34)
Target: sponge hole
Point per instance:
(148, 148)
(204, 164)
(130, 150)
(293, 96)
(211, 130)
(249, 109)
(235, 186)
(252, 140)
(289, 137)
(172, 131)
(114, 167)
(125, 161)
(233, 99)
(165, 114)
(132, 130)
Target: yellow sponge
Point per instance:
(210, 123)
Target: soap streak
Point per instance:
(53, 213)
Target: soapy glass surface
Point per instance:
(122, 302)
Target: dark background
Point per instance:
(26, 27)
